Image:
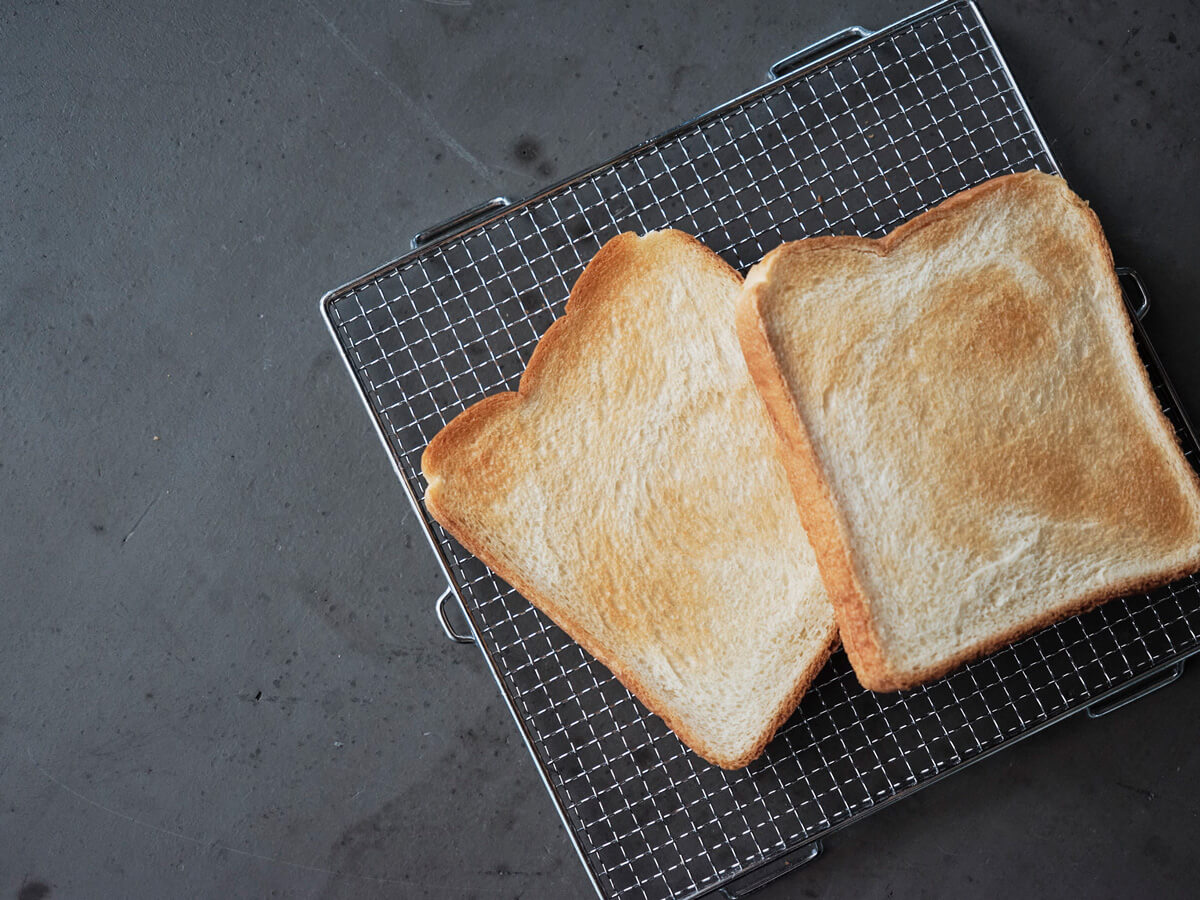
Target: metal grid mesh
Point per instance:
(857, 146)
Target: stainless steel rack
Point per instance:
(853, 135)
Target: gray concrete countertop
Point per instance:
(221, 676)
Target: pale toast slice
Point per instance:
(631, 490)
(970, 435)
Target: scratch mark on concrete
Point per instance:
(1129, 36)
(1099, 69)
(426, 118)
(1144, 792)
(212, 845)
(145, 511)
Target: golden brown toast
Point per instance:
(631, 490)
(970, 435)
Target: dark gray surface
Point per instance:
(180, 185)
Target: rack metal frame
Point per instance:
(853, 134)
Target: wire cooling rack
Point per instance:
(874, 134)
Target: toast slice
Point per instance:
(971, 438)
(631, 489)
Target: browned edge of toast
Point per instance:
(814, 494)
(588, 289)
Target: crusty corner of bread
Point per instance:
(431, 465)
(755, 749)
(728, 758)
(452, 440)
(760, 272)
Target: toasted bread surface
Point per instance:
(631, 489)
(969, 432)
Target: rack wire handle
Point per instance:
(444, 619)
(760, 878)
(1142, 304)
(1135, 690)
(839, 40)
(456, 223)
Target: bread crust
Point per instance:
(814, 497)
(809, 477)
(451, 440)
